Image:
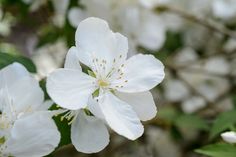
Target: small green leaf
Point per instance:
(91, 73)
(222, 123)
(96, 93)
(2, 140)
(6, 59)
(191, 122)
(218, 150)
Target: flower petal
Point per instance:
(142, 103)
(21, 88)
(95, 109)
(120, 116)
(229, 136)
(70, 88)
(72, 60)
(33, 136)
(88, 134)
(140, 73)
(26, 94)
(95, 41)
(11, 74)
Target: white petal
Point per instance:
(11, 74)
(75, 16)
(88, 134)
(140, 73)
(224, 9)
(121, 117)
(95, 109)
(33, 136)
(95, 40)
(72, 60)
(70, 88)
(26, 94)
(142, 103)
(46, 105)
(229, 136)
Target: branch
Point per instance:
(207, 23)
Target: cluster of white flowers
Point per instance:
(115, 92)
(26, 125)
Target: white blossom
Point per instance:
(229, 136)
(224, 9)
(119, 86)
(142, 26)
(26, 127)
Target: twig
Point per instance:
(209, 24)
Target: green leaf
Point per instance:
(64, 129)
(6, 59)
(91, 73)
(191, 122)
(222, 123)
(168, 113)
(2, 140)
(218, 150)
(63, 126)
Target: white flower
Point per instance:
(6, 22)
(26, 127)
(139, 23)
(224, 9)
(229, 136)
(60, 7)
(123, 86)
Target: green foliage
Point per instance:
(48, 35)
(173, 41)
(168, 113)
(63, 127)
(223, 122)
(191, 122)
(218, 150)
(6, 59)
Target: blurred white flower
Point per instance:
(224, 9)
(161, 143)
(34, 4)
(176, 90)
(142, 26)
(153, 3)
(119, 86)
(49, 57)
(26, 127)
(208, 86)
(60, 8)
(193, 104)
(229, 136)
(217, 65)
(5, 23)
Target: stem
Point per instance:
(209, 24)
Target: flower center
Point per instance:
(103, 83)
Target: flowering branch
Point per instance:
(213, 25)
